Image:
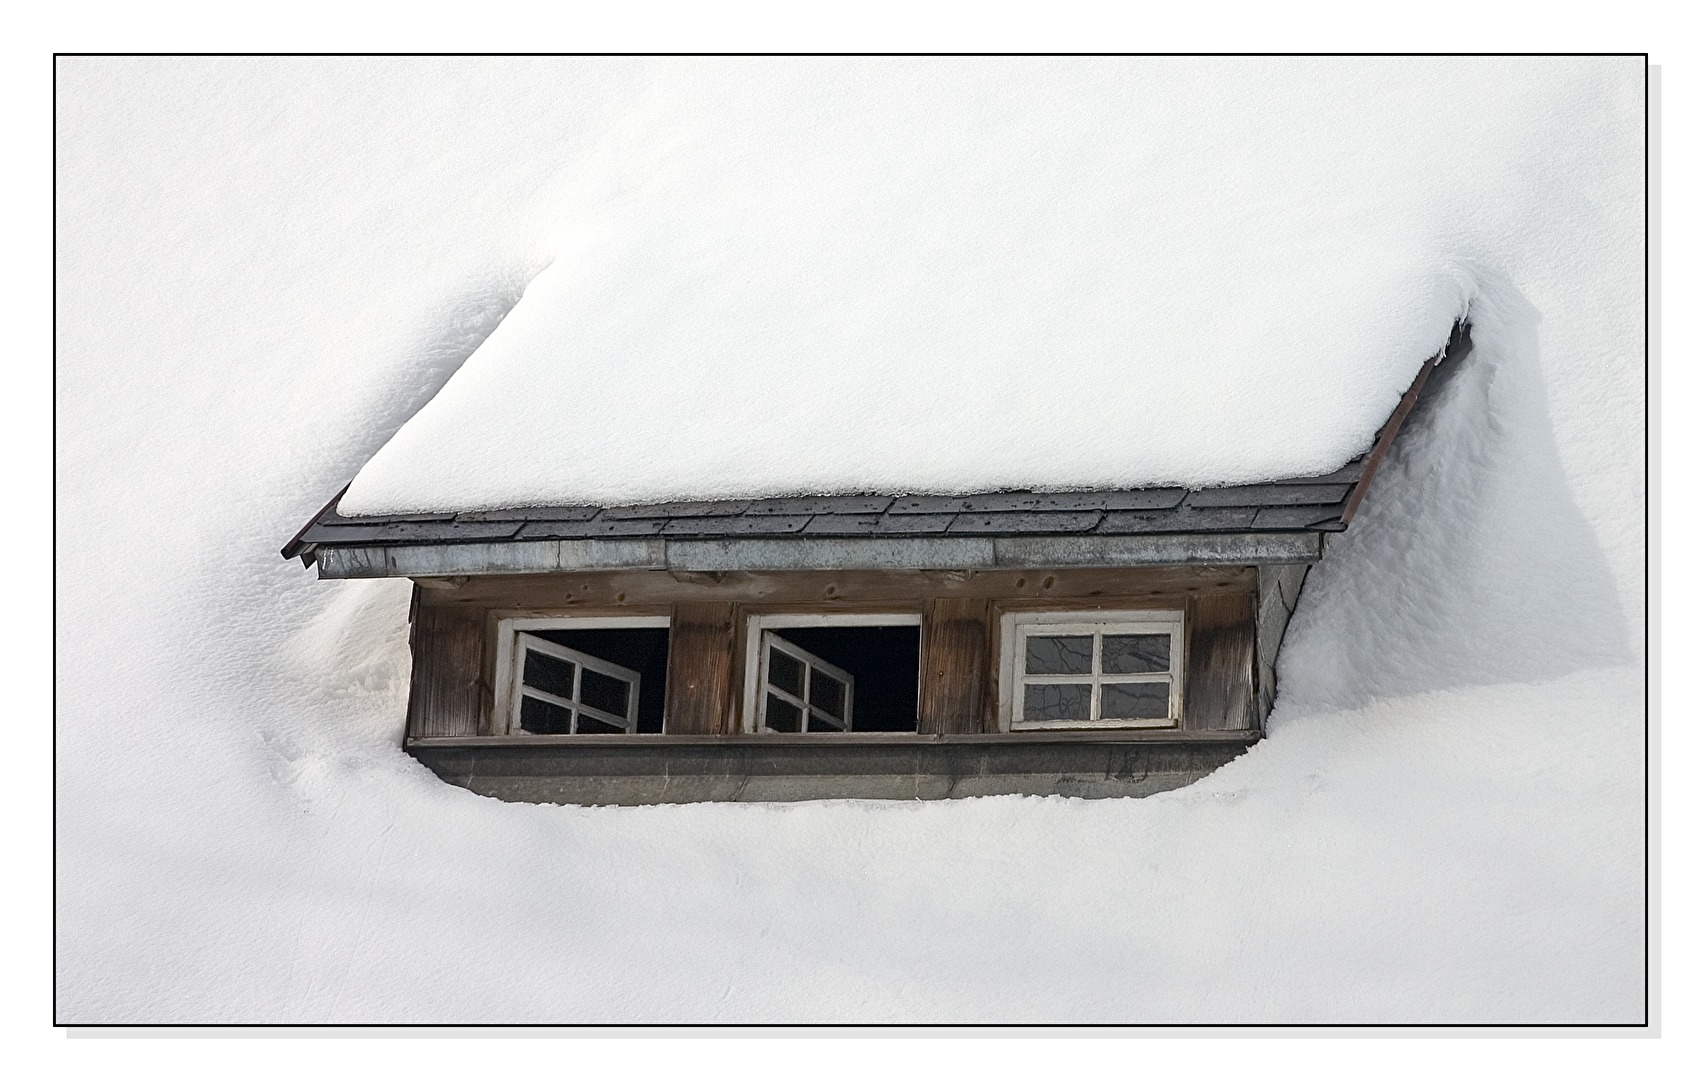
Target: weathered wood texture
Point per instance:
(448, 695)
(619, 591)
(635, 772)
(1217, 692)
(700, 669)
(1278, 592)
(456, 631)
(1457, 348)
(954, 662)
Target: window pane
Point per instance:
(1067, 701)
(1129, 654)
(1134, 701)
(783, 715)
(590, 725)
(1060, 655)
(543, 717)
(819, 722)
(604, 692)
(548, 674)
(785, 672)
(827, 694)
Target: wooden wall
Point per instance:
(449, 694)
(955, 661)
(700, 661)
(1217, 684)
(455, 629)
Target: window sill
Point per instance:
(855, 738)
(643, 769)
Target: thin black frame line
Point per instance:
(812, 53)
(1647, 584)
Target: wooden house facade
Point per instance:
(1092, 643)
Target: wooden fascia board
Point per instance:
(1458, 346)
(295, 546)
(945, 553)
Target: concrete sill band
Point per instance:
(634, 770)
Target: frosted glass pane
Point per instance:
(1132, 654)
(1057, 701)
(1060, 656)
(1134, 701)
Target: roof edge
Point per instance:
(819, 553)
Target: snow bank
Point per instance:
(266, 266)
(805, 276)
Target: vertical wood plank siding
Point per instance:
(448, 695)
(1235, 616)
(1217, 693)
(954, 646)
(699, 669)
(1278, 592)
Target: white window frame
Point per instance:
(772, 643)
(1015, 628)
(509, 671)
(757, 630)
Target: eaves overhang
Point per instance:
(1280, 521)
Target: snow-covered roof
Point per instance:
(946, 276)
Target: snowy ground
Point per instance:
(267, 266)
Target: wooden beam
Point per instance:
(954, 646)
(448, 695)
(1457, 348)
(699, 669)
(1217, 691)
(804, 553)
(1278, 592)
(618, 591)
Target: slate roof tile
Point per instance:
(590, 530)
(822, 504)
(1302, 503)
(1327, 518)
(408, 532)
(533, 513)
(1181, 519)
(748, 525)
(1144, 499)
(843, 525)
(726, 508)
(928, 504)
(1270, 495)
(1026, 524)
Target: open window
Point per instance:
(581, 676)
(1090, 670)
(826, 674)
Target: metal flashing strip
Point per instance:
(832, 553)
(819, 553)
(1162, 549)
(760, 769)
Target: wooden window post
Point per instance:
(699, 670)
(954, 643)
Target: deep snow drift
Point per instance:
(952, 277)
(266, 266)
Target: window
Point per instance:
(808, 674)
(1100, 669)
(581, 676)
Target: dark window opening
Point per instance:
(643, 650)
(884, 665)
